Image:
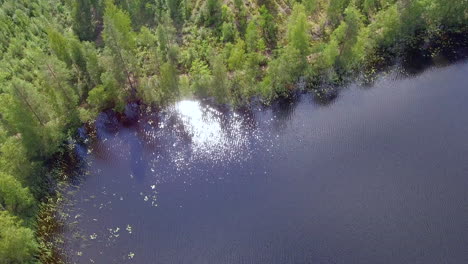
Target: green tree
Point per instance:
(240, 15)
(449, 15)
(346, 36)
(329, 54)
(310, 5)
(237, 55)
(27, 114)
(252, 37)
(59, 45)
(241, 88)
(107, 94)
(93, 66)
(220, 81)
(26, 96)
(83, 78)
(167, 46)
(141, 12)
(120, 43)
(17, 243)
(211, 13)
(285, 70)
(370, 7)
(386, 27)
(14, 198)
(270, 4)
(335, 10)
(412, 18)
(55, 78)
(186, 7)
(83, 19)
(168, 83)
(174, 9)
(228, 32)
(14, 159)
(201, 77)
(268, 26)
(298, 35)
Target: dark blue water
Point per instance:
(377, 175)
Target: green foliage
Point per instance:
(165, 39)
(175, 12)
(14, 198)
(298, 35)
(55, 78)
(370, 7)
(284, 70)
(310, 5)
(449, 15)
(335, 10)
(93, 67)
(84, 14)
(168, 84)
(211, 13)
(201, 77)
(14, 159)
(386, 26)
(228, 28)
(26, 113)
(253, 38)
(347, 36)
(220, 81)
(120, 44)
(347, 44)
(268, 26)
(142, 12)
(412, 17)
(240, 15)
(228, 32)
(147, 90)
(98, 97)
(241, 88)
(65, 61)
(329, 54)
(237, 55)
(186, 7)
(17, 243)
(107, 94)
(58, 44)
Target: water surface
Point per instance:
(377, 175)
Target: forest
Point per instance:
(64, 61)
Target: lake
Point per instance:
(374, 173)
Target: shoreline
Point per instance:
(276, 102)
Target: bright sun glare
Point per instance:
(209, 139)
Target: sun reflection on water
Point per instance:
(203, 124)
(211, 138)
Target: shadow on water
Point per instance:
(325, 96)
(441, 52)
(284, 109)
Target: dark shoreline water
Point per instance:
(375, 174)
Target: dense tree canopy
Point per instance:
(17, 243)
(64, 61)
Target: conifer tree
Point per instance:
(83, 19)
(220, 81)
(17, 243)
(298, 35)
(120, 44)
